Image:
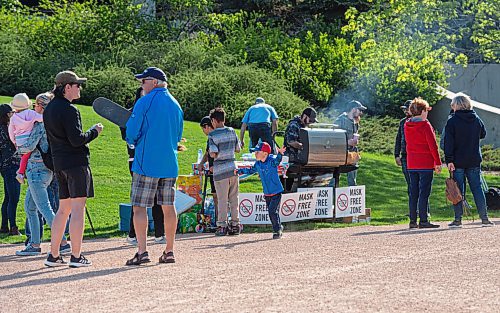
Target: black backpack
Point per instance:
(46, 157)
(493, 198)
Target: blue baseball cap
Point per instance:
(153, 72)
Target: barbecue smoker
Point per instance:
(324, 152)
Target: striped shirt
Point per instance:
(225, 143)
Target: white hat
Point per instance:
(20, 102)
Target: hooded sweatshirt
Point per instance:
(21, 124)
(463, 132)
(421, 146)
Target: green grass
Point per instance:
(385, 185)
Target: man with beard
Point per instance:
(349, 121)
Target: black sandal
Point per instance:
(167, 257)
(139, 259)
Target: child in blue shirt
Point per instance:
(267, 167)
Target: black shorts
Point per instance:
(75, 182)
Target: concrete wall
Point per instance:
(482, 83)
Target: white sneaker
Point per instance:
(160, 240)
(132, 241)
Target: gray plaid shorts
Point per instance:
(144, 190)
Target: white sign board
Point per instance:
(349, 201)
(324, 207)
(293, 207)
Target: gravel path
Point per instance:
(355, 269)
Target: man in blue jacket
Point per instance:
(154, 128)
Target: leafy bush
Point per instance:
(315, 66)
(112, 82)
(377, 134)
(491, 158)
(80, 27)
(235, 89)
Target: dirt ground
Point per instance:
(355, 269)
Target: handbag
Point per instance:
(453, 193)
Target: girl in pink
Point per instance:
(20, 127)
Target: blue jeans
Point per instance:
(53, 191)
(420, 190)
(27, 227)
(12, 190)
(351, 179)
(273, 203)
(474, 178)
(260, 131)
(404, 168)
(37, 198)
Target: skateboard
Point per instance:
(111, 111)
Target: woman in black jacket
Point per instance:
(463, 131)
(9, 163)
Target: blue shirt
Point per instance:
(268, 172)
(155, 128)
(260, 113)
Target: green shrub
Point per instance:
(85, 27)
(491, 158)
(315, 66)
(21, 71)
(112, 82)
(378, 134)
(175, 56)
(234, 88)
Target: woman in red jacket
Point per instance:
(423, 159)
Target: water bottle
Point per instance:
(200, 156)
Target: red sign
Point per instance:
(288, 207)
(246, 208)
(342, 202)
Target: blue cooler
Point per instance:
(125, 211)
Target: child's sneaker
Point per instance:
(52, 261)
(29, 250)
(20, 178)
(221, 231)
(79, 262)
(278, 234)
(455, 224)
(487, 223)
(234, 230)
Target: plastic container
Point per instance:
(200, 156)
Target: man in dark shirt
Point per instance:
(349, 121)
(70, 155)
(292, 139)
(400, 143)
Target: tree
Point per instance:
(404, 46)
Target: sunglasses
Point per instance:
(77, 84)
